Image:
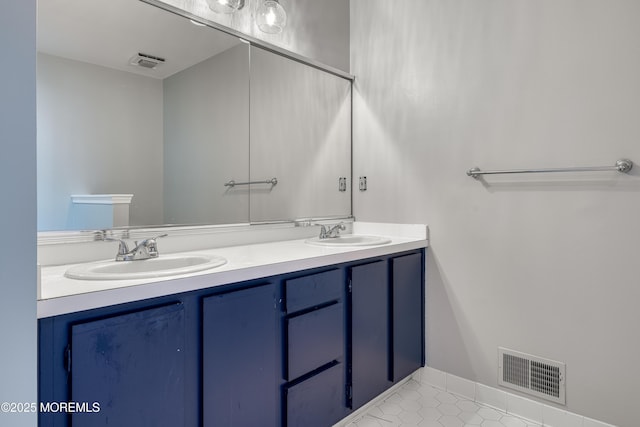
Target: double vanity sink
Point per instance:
(176, 264)
(76, 277)
(268, 314)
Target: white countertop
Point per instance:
(61, 295)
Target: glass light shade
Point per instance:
(271, 17)
(225, 6)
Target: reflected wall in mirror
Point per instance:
(206, 140)
(171, 136)
(301, 134)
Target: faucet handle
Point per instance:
(122, 248)
(335, 230)
(150, 245)
(151, 240)
(327, 232)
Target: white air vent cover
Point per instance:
(532, 375)
(146, 61)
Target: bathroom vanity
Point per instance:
(286, 333)
(282, 327)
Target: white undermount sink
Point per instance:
(164, 265)
(349, 240)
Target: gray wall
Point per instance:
(99, 131)
(206, 140)
(315, 29)
(300, 134)
(18, 214)
(542, 264)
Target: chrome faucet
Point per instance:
(148, 248)
(331, 232)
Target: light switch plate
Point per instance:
(363, 183)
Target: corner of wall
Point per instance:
(18, 360)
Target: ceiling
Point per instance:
(110, 32)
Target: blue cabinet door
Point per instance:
(408, 318)
(370, 341)
(239, 359)
(314, 289)
(318, 401)
(314, 339)
(132, 366)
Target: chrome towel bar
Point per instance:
(622, 165)
(232, 183)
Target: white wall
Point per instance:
(18, 214)
(315, 29)
(544, 264)
(99, 131)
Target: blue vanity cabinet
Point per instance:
(314, 354)
(407, 294)
(386, 324)
(132, 366)
(370, 331)
(240, 358)
(317, 400)
(304, 348)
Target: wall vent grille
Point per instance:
(532, 375)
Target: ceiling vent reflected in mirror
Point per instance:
(146, 61)
(225, 6)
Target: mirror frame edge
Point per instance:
(141, 232)
(253, 41)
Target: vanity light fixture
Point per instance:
(225, 6)
(271, 17)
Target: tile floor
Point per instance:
(418, 404)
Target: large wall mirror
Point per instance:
(141, 108)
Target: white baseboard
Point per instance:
(504, 401)
(500, 400)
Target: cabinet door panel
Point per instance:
(314, 339)
(369, 331)
(307, 291)
(239, 359)
(408, 321)
(317, 401)
(131, 365)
